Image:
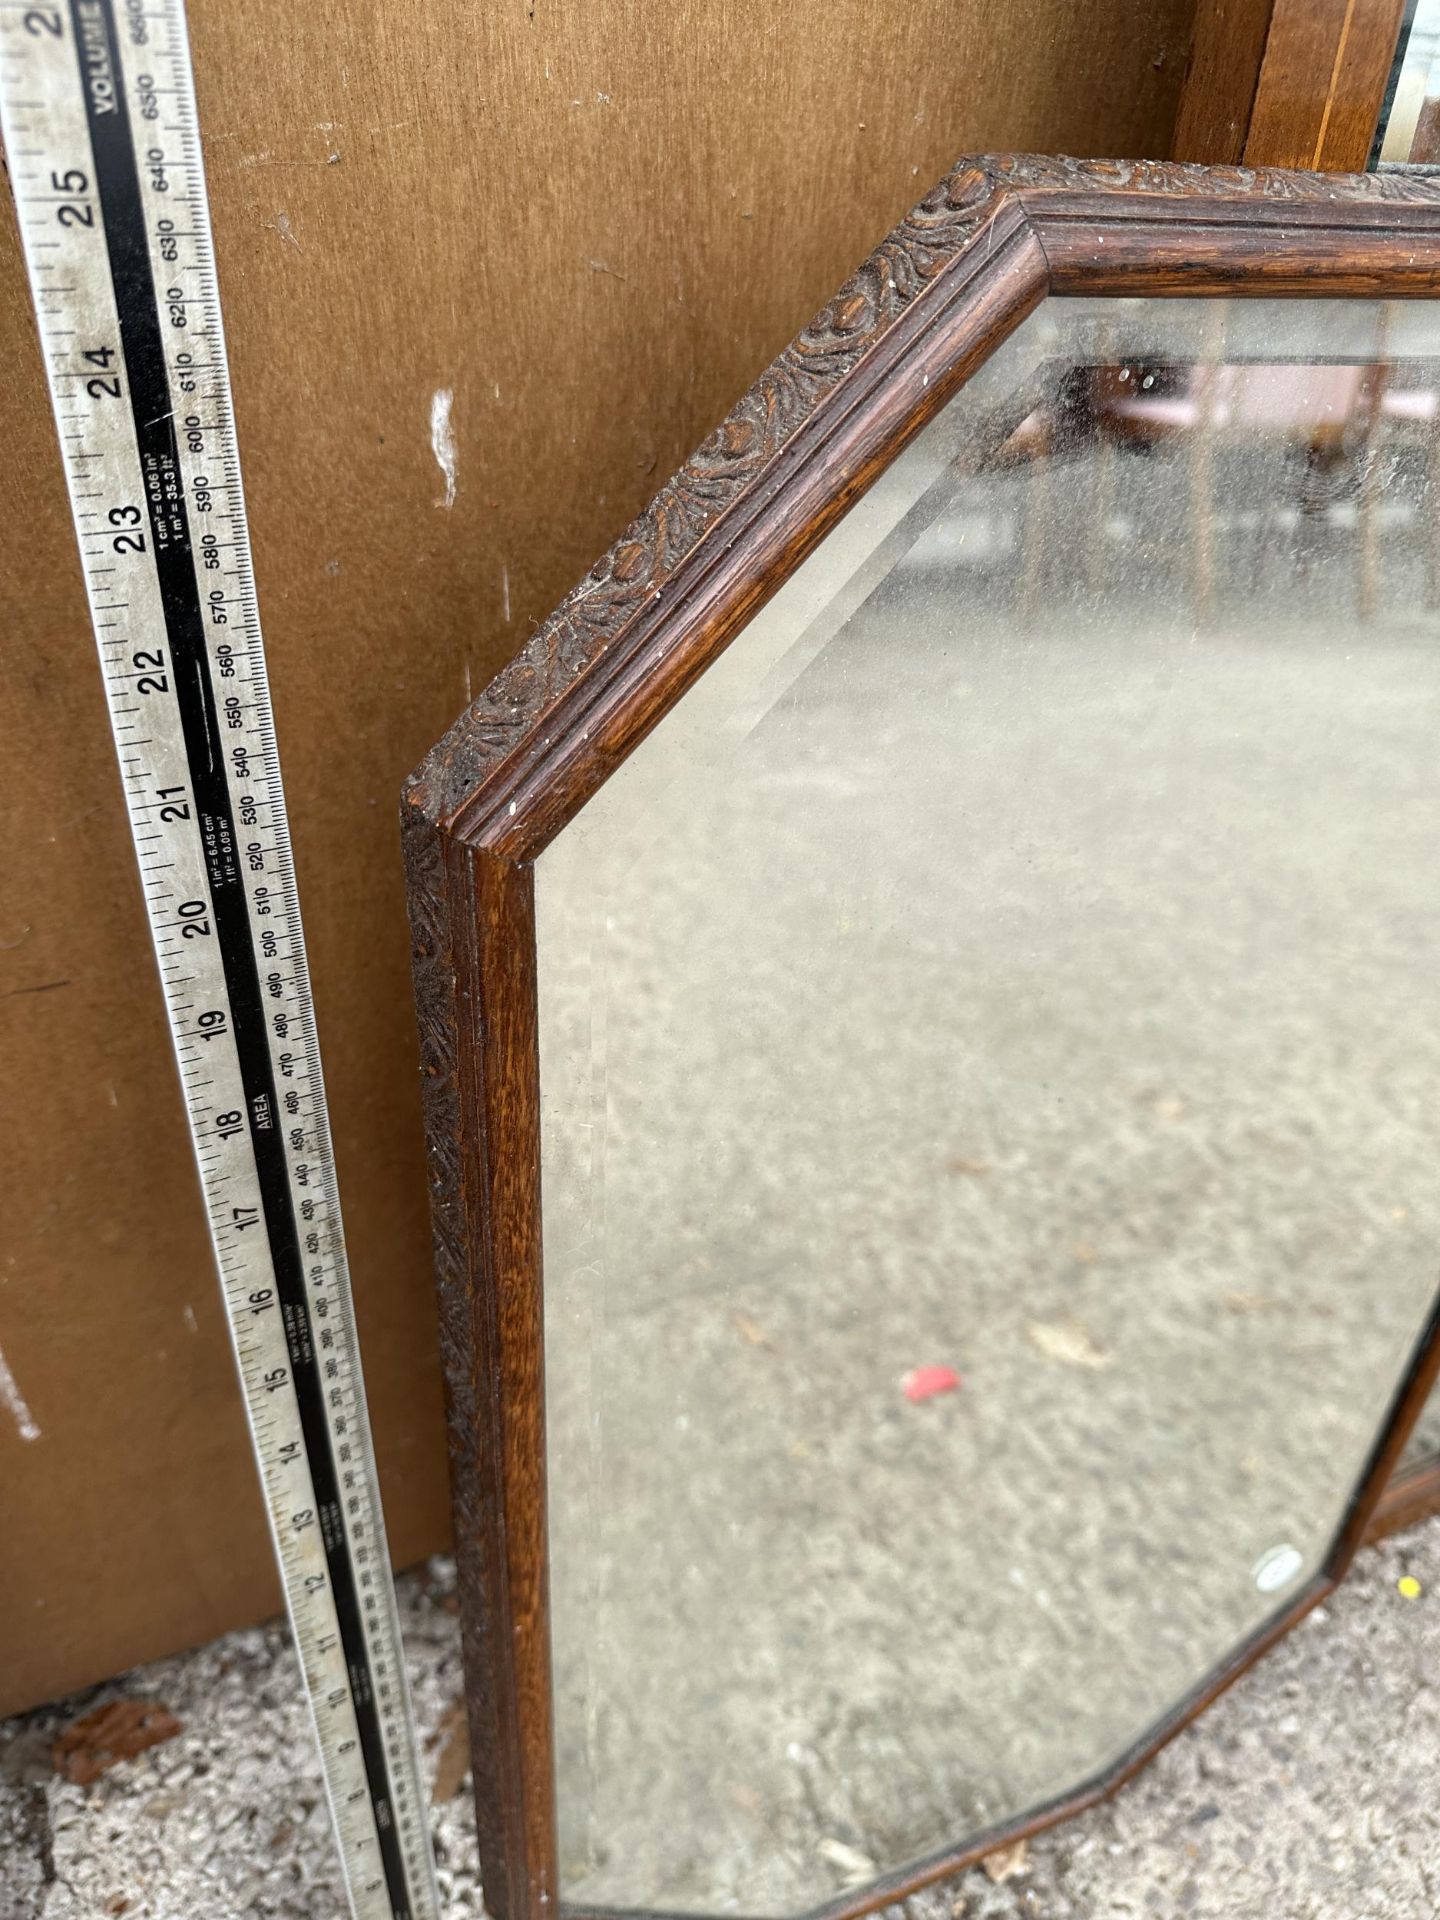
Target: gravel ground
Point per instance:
(1306, 1792)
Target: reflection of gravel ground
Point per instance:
(1085, 982)
(1306, 1794)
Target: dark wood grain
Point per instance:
(1322, 83)
(1425, 142)
(1411, 1393)
(1412, 1495)
(1222, 75)
(1286, 83)
(895, 343)
(473, 942)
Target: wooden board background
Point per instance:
(592, 221)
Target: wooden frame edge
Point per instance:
(976, 256)
(1412, 1391)
(472, 944)
(1412, 1495)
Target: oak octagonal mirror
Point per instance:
(931, 1030)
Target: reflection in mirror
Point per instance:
(1409, 130)
(1009, 970)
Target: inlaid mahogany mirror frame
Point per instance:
(952, 282)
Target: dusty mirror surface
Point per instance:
(1014, 959)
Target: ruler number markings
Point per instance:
(134, 349)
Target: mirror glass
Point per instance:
(990, 1061)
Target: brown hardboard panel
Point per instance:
(591, 223)
(1322, 83)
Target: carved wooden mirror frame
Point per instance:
(898, 341)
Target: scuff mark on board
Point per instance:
(442, 440)
(45, 986)
(281, 225)
(14, 1402)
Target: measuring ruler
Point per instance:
(97, 105)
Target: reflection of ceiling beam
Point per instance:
(1287, 83)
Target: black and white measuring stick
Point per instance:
(102, 141)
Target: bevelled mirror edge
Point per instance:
(949, 283)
